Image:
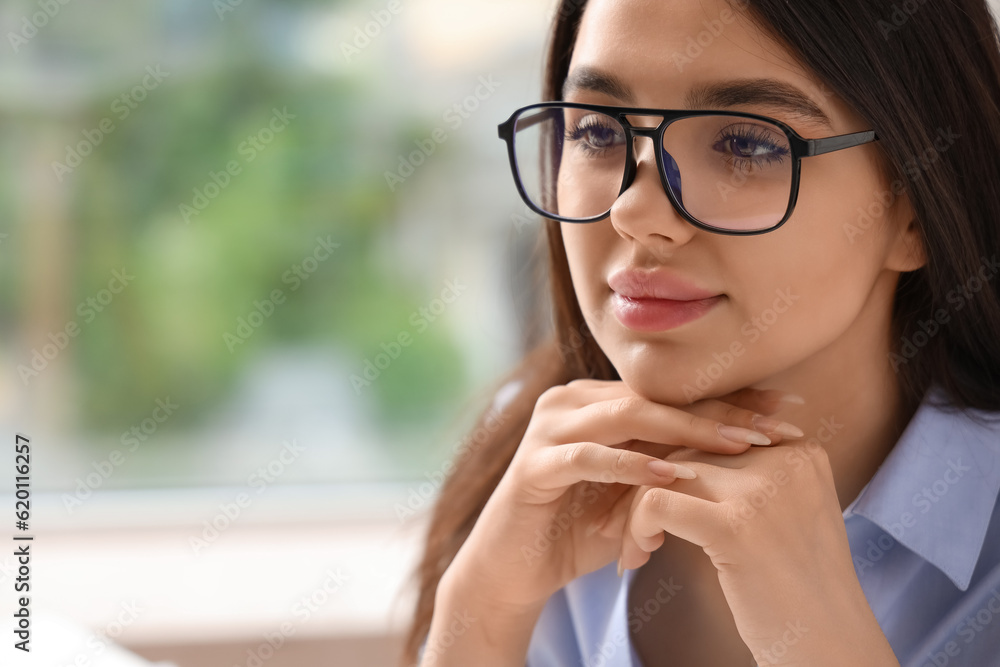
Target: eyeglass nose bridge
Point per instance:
(631, 165)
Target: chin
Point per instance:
(677, 386)
(659, 388)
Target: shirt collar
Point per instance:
(936, 490)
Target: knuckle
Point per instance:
(682, 454)
(550, 396)
(622, 461)
(654, 501)
(693, 421)
(574, 455)
(620, 407)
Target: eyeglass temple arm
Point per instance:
(830, 144)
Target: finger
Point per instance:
(660, 510)
(766, 401)
(723, 411)
(584, 391)
(742, 408)
(613, 522)
(616, 420)
(555, 468)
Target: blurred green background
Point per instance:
(212, 153)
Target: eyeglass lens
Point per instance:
(728, 172)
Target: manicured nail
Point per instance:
(743, 435)
(620, 568)
(769, 425)
(793, 398)
(671, 469)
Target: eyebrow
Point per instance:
(724, 95)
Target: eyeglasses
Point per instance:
(740, 171)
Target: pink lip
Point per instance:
(657, 301)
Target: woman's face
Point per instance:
(803, 301)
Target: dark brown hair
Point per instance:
(911, 75)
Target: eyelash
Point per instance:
(576, 132)
(776, 153)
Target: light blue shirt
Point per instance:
(925, 538)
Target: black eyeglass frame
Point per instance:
(800, 148)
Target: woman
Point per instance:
(775, 356)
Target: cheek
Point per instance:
(809, 282)
(587, 246)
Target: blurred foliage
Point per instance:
(320, 177)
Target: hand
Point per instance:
(770, 521)
(586, 449)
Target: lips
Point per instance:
(645, 300)
(656, 284)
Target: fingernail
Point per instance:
(671, 469)
(793, 398)
(743, 435)
(683, 472)
(591, 529)
(620, 568)
(769, 425)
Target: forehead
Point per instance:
(663, 51)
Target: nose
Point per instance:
(643, 210)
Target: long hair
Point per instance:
(912, 76)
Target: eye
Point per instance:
(595, 134)
(748, 145)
